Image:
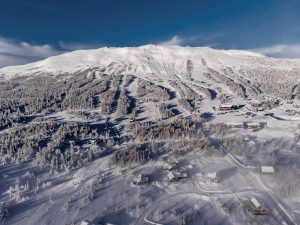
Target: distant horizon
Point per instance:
(250, 51)
(187, 46)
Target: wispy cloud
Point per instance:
(77, 46)
(281, 50)
(180, 40)
(14, 52)
(175, 40)
(193, 40)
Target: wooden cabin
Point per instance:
(176, 176)
(228, 107)
(255, 207)
(267, 169)
(140, 179)
(253, 125)
(213, 177)
(169, 166)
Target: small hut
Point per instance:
(176, 176)
(228, 107)
(169, 166)
(267, 169)
(255, 207)
(213, 177)
(140, 179)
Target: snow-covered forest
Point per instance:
(133, 136)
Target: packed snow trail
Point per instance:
(263, 187)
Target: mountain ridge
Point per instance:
(84, 59)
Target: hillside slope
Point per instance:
(80, 131)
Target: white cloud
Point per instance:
(78, 46)
(193, 40)
(281, 50)
(175, 40)
(181, 40)
(13, 52)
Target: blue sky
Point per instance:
(35, 29)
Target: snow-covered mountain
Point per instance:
(163, 63)
(137, 60)
(152, 134)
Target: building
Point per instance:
(248, 114)
(140, 179)
(256, 106)
(235, 125)
(169, 166)
(255, 207)
(267, 169)
(213, 177)
(228, 107)
(176, 176)
(253, 125)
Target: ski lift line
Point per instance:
(164, 65)
(148, 60)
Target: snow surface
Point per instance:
(62, 197)
(140, 58)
